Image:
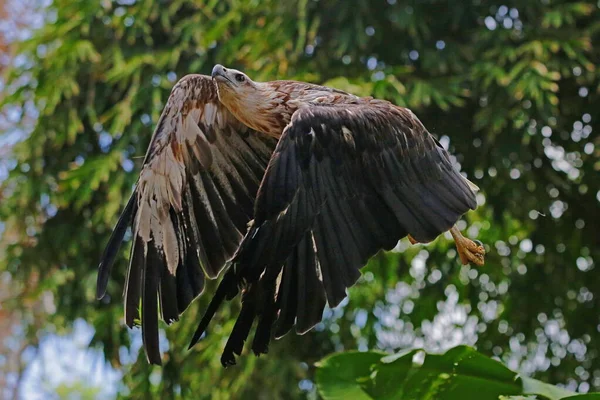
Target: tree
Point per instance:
(511, 89)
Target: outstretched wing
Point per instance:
(343, 183)
(190, 208)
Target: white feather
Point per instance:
(170, 247)
(161, 189)
(472, 186)
(210, 111)
(143, 220)
(192, 130)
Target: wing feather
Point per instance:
(190, 208)
(343, 183)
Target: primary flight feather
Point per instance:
(289, 185)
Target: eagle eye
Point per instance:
(240, 78)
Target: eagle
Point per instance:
(289, 188)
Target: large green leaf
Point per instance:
(346, 373)
(460, 373)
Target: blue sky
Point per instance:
(67, 360)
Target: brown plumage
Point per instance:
(292, 186)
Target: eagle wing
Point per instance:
(343, 183)
(190, 207)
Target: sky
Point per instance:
(66, 361)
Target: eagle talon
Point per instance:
(469, 251)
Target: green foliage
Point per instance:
(513, 88)
(78, 390)
(460, 373)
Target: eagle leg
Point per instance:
(468, 250)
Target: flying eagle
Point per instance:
(290, 188)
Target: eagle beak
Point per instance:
(220, 71)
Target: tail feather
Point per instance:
(267, 317)
(311, 294)
(150, 308)
(241, 329)
(267, 310)
(133, 288)
(167, 293)
(224, 288)
(113, 246)
(287, 300)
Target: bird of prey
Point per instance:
(289, 188)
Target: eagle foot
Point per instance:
(469, 251)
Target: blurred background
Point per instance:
(511, 88)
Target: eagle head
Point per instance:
(253, 103)
(236, 90)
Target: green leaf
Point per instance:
(533, 386)
(460, 373)
(342, 375)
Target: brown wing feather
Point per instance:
(343, 183)
(189, 211)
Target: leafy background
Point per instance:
(511, 88)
